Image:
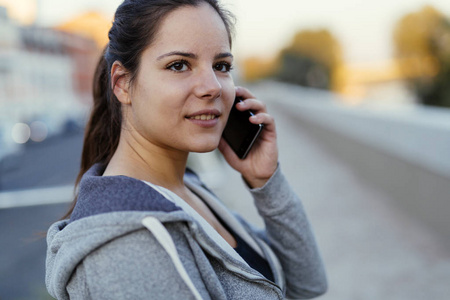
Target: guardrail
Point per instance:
(415, 133)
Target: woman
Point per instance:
(144, 227)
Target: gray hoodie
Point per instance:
(125, 240)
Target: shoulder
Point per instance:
(134, 266)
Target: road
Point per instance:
(52, 162)
(372, 249)
(23, 247)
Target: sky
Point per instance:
(364, 28)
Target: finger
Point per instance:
(244, 93)
(254, 105)
(264, 118)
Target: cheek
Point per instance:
(156, 105)
(229, 93)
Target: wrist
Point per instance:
(255, 182)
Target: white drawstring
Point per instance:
(163, 237)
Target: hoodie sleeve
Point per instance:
(134, 266)
(290, 236)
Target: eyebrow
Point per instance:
(192, 55)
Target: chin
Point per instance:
(205, 147)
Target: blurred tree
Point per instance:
(255, 68)
(422, 45)
(312, 59)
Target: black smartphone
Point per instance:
(239, 133)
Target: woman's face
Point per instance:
(183, 91)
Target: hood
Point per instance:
(108, 207)
(70, 242)
(101, 194)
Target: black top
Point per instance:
(252, 258)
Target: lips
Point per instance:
(208, 118)
(205, 115)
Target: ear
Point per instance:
(120, 82)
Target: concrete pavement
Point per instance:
(372, 249)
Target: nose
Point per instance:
(208, 86)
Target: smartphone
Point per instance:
(239, 133)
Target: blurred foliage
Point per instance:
(313, 58)
(304, 70)
(422, 45)
(256, 68)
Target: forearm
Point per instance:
(290, 236)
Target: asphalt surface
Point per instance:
(372, 249)
(52, 162)
(23, 247)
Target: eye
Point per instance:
(178, 66)
(223, 67)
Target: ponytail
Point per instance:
(102, 132)
(103, 128)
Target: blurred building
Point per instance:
(89, 35)
(91, 24)
(45, 76)
(23, 11)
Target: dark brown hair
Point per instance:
(135, 24)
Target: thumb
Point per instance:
(227, 152)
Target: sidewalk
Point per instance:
(372, 250)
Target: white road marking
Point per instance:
(40, 196)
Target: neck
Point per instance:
(149, 162)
